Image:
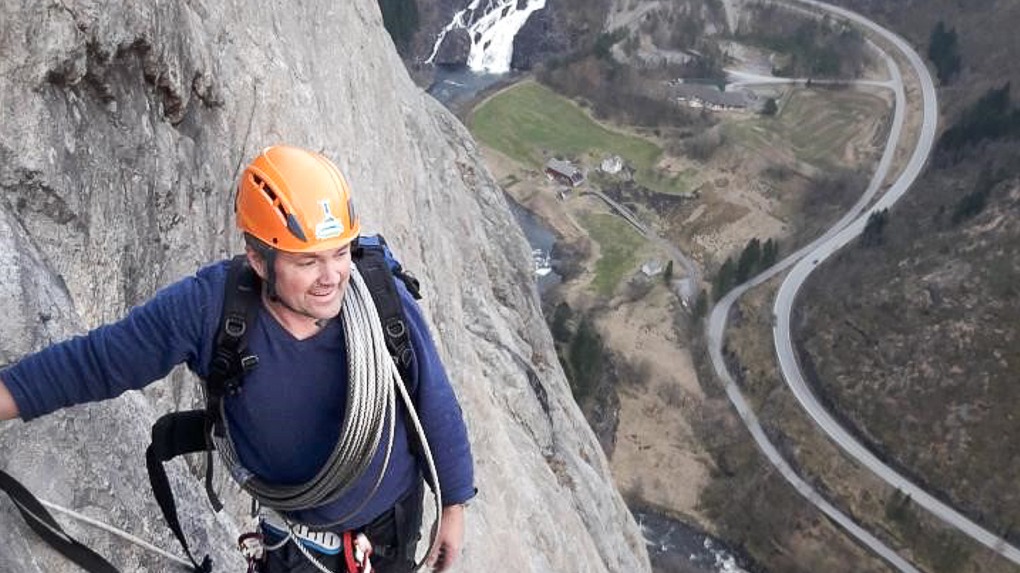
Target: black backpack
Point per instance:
(190, 431)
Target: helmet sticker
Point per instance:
(330, 226)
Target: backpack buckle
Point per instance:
(396, 328)
(249, 362)
(234, 326)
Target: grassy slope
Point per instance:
(818, 126)
(618, 248)
(530, 123)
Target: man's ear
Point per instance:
(257, 261)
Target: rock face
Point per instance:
(433, 16)
(454, 49)
(123, 129)
(561, 28)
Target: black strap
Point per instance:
(379, 273)
(45, 526)
(172, 435)
(379, 279)
(230, 359)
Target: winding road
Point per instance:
(804, 261)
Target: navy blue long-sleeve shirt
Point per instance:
(286, 420)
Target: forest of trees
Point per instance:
(873, 234)
(815, 47)
(755, 257)
(579, 348)
(990, 117)
(974, 202)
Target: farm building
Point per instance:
(564, 171)
(704, 96)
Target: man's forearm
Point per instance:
(8, 408)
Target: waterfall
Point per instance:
(491, 25)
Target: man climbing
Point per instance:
(290, 429)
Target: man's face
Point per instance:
(313, 284)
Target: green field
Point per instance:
(619, 245)
(530, 123)
(815, 125)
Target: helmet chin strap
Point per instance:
(269, 255)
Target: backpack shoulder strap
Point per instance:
(380, 272)
(231, 360)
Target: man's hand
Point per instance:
(451, 539)
(8, 409)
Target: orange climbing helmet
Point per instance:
(295, 200)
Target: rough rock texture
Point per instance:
(433, 16)
(561, 28)
(122, 129)
(455, 49)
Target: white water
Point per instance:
(491, 25)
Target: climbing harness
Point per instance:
(354, 546)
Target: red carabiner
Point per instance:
(357, 552)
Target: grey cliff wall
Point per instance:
(122, 129)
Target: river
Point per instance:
(454, 86)
(541, 239)
(677, 547)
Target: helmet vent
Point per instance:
(271, 195)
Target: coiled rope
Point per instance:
(370, 410)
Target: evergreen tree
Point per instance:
(769, 254)
(872, 234)
(700, 306)
(942, 51)
(667, 275)
(585, 358)
(974, 202)
(749, 259)
(559, 327)
(724, 279)
(770, 107)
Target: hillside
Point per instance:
(914, 339)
